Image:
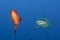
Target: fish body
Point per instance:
(42, 23)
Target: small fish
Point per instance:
(16, 19)
(43, 22)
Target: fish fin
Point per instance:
(15, 28)
(15, 32)
(12, 21)
(21, 19)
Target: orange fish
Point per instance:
(16, 19)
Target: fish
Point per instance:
(42, 22)
(16, 19)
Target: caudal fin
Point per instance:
(15, 32)
(15, 28)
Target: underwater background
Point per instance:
(30, 11)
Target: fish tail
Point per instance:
(15, 29)
(15, 32)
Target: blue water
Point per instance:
(30, 11)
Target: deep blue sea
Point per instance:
(30, 11)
